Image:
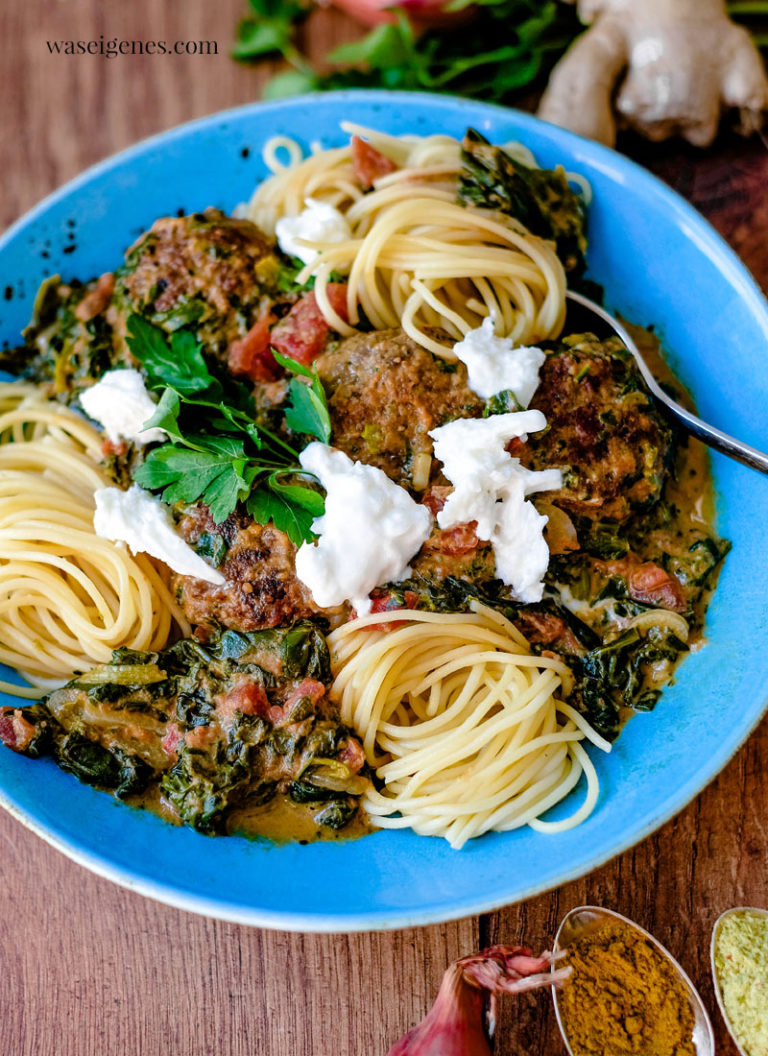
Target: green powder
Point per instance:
(741, 963)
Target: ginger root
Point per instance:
(661, 67)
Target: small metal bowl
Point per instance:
(756, 912)
(581, 921)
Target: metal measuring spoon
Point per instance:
(581, 921)
(753, 911)
(715, 438)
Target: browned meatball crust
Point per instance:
(385, 393)
(207, 270)
(603, 431)
(259, 564)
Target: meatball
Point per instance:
(385, 393)
(207, 270)
(261, 590)
(603, 431)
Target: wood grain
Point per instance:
(88, 969)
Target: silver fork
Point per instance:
(716, 438)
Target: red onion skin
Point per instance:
(455, 1025)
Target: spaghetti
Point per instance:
(67, 597)
(460, 723)
(417, 258)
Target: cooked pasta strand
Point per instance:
(67, 597)
(416, 258)
(462, 724)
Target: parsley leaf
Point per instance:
(215, 452)
(308, 412)
(309, 500)
(266, 505)
(178, 362)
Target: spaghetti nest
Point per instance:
(461, 723)
(415, 257)
(67, 597)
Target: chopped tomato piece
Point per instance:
(172, 739)
(113, 447)
(97, 299)
(251, 356)
(309, 687)
(453, 541)
(353, 756)
(249, 698)
(368, 163)
(303, 332)
(652, 585)
(544, 628)
(387, 602)
(15, 731)
(436, 497)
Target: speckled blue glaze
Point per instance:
(660, 263)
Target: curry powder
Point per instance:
(623, 996)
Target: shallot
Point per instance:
(458, 1024)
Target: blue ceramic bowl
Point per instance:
(660, 264)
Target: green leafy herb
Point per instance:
(213, 546)
(308, 412)
(267, 505)
(270, 29)
(505, 46)
(177, 363)
(215, 453)
(502, 403)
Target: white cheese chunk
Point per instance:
(318, 222)
(119, 401)
(143, 522)
(491, 487)
(370, 530)
(495, 365)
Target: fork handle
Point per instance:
(708, 434)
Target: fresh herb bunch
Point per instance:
(215, 452)
(506, 46)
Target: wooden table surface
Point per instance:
(88, 969)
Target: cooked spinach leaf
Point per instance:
(216, 726)
(114, 769)
(541, 199)
(613, 675)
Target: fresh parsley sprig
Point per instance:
(269, 28)
(504, 46)
(215, 452)
(308, 412)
